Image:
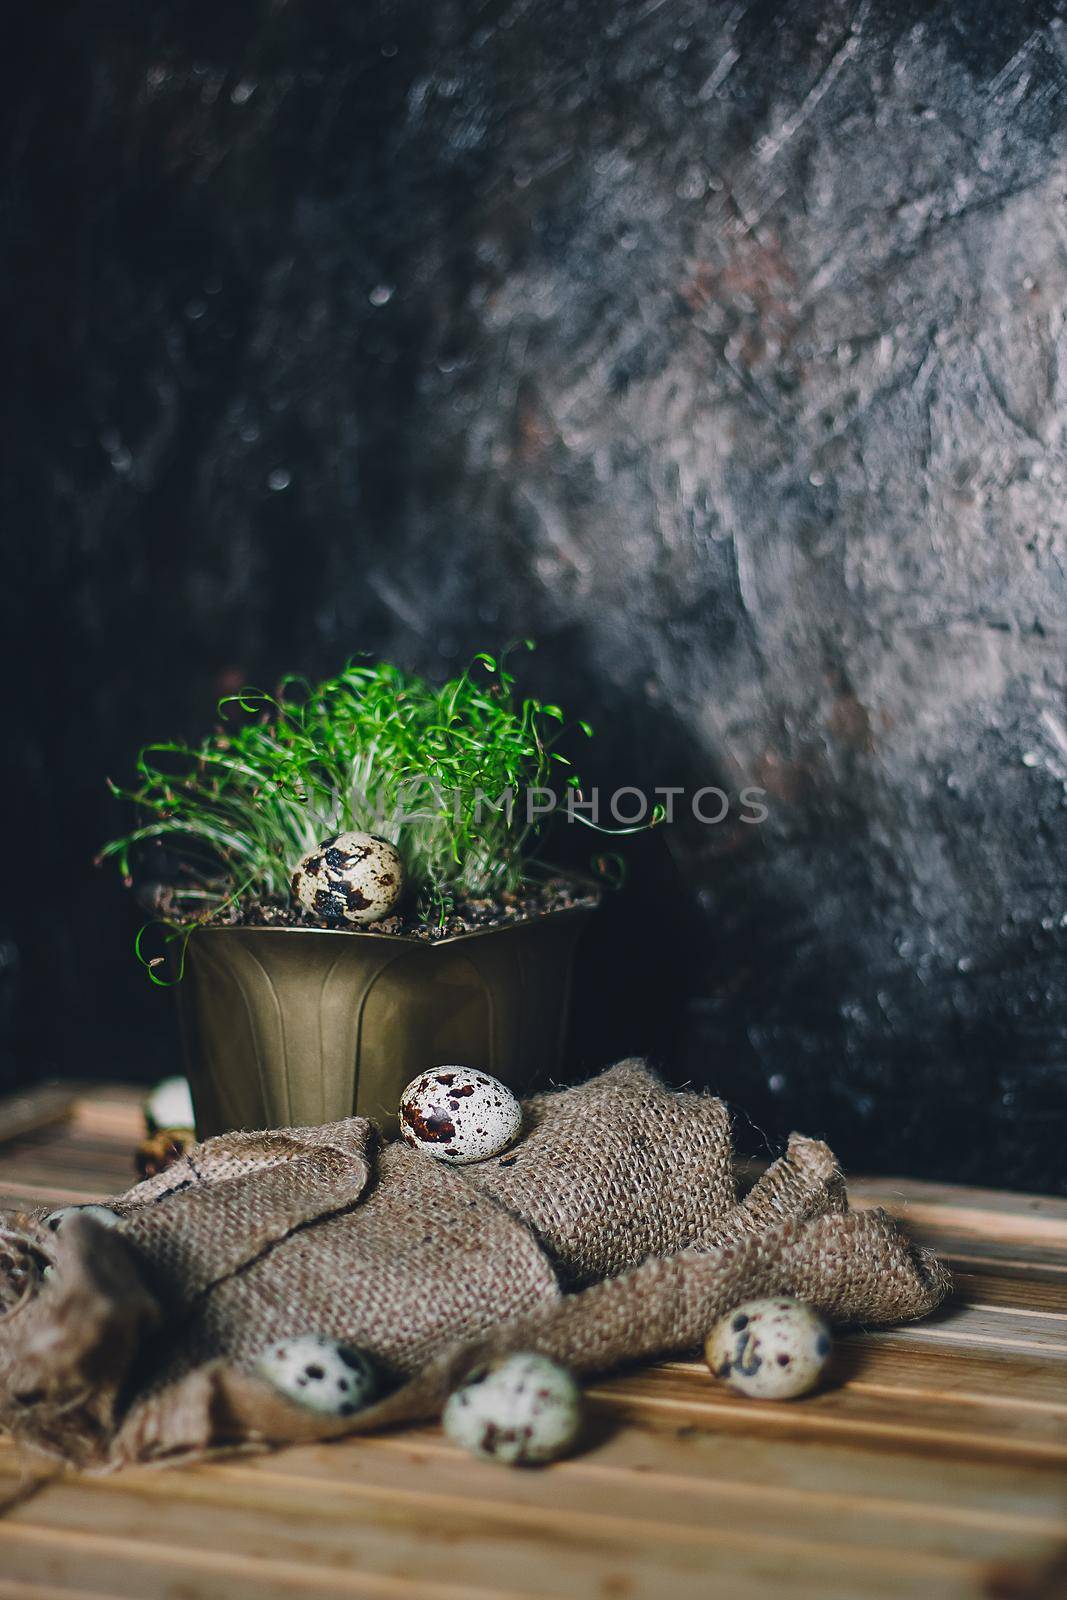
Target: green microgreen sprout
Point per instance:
(374, 749)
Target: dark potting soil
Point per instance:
(465, 916)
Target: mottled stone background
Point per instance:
(719, 346)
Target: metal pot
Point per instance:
(288, 1027)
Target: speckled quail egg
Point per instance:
(459, 1114)
(772, 1349)
(320, 1373)
(169, 1105)
(522, 1409)
(351, 877)
(102, 1214)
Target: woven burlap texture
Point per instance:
(139, 1343)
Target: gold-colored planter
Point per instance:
(286, 1027)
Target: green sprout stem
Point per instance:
(374, 750)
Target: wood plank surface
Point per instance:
(933, 1464)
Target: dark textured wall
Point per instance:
(720, 346)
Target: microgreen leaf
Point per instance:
(373, 749)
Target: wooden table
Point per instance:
(936, 1466)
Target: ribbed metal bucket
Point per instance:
(298, 1026)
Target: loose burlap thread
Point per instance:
(611, 1232)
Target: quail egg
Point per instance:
(772, 1349)
(102, 1214)
(522, 1410)
(320, 1373)
(459, 1114)
(170, 1105)
(351, 877)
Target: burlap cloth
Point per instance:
(610, 1233)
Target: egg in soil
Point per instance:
(354, 878)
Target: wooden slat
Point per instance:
(986, 1328)
(88, 1152)
(706, 1491)
(84, 1562)
(31, 1196)
(116, 1113)
(1011, 1289)
(951, 1376)
(33, 1109)
(694, 1509)
(521, 1549)
(975, 1227)
(1044, 1263)
(996, 1213)
(660, 1462)
(87, 1159)
(873, 1418)
(34, 1589)
(652, 1466)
